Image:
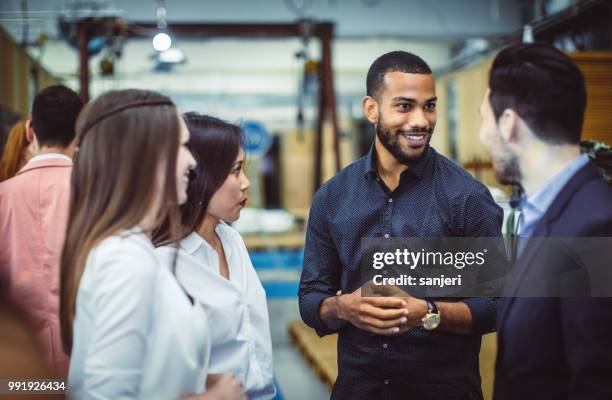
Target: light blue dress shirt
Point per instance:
(534, 207)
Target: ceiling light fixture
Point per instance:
(162, 41)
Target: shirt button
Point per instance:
(385, 345)
(386, 236)
(390, 200)
(387, 381)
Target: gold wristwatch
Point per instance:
(431, 320)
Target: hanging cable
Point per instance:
(25, 26)
(299, 10)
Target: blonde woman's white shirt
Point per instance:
(136, 335)
(236, 308)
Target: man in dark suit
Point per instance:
(554, 339)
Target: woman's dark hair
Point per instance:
(215, 144)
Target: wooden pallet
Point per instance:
(321, 354)
(488, 353)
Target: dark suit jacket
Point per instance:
(558, 347)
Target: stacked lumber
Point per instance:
(321, 354)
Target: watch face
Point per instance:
(431, 321)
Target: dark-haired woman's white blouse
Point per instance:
(236, 308)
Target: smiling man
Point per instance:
(396, 347)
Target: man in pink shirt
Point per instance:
(33, 216)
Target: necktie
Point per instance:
(513, 222)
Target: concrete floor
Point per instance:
(295, 379)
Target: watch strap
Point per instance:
(431, 306)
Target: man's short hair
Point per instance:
(395, 61)
(54, 114)
(545, 88)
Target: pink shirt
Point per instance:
(33, 216)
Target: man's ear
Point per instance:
(30, 134)
(370, 109)
(508, 124)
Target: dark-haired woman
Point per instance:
(132, 331)
(213, 264)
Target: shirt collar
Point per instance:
(544, 196)
(419, 169)
(48, 156)
(192, 242)
(135, 230)
(370, 163)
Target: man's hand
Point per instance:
(415, 308)
(382, 315)
(456, 316)
(366, 309)
(385, 310)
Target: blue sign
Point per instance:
(256, 137)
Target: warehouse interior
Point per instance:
(292, 74)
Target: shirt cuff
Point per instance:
(483, 311)
(309, 310)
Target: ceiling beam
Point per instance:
(238, 30)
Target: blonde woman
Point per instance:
(131, 329)
(17, 151)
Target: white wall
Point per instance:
(240, 78)
(259, 78)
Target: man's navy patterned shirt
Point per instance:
(435, 197)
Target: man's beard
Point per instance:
(507, 168)
(391, 142)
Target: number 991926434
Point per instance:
(35, 386)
